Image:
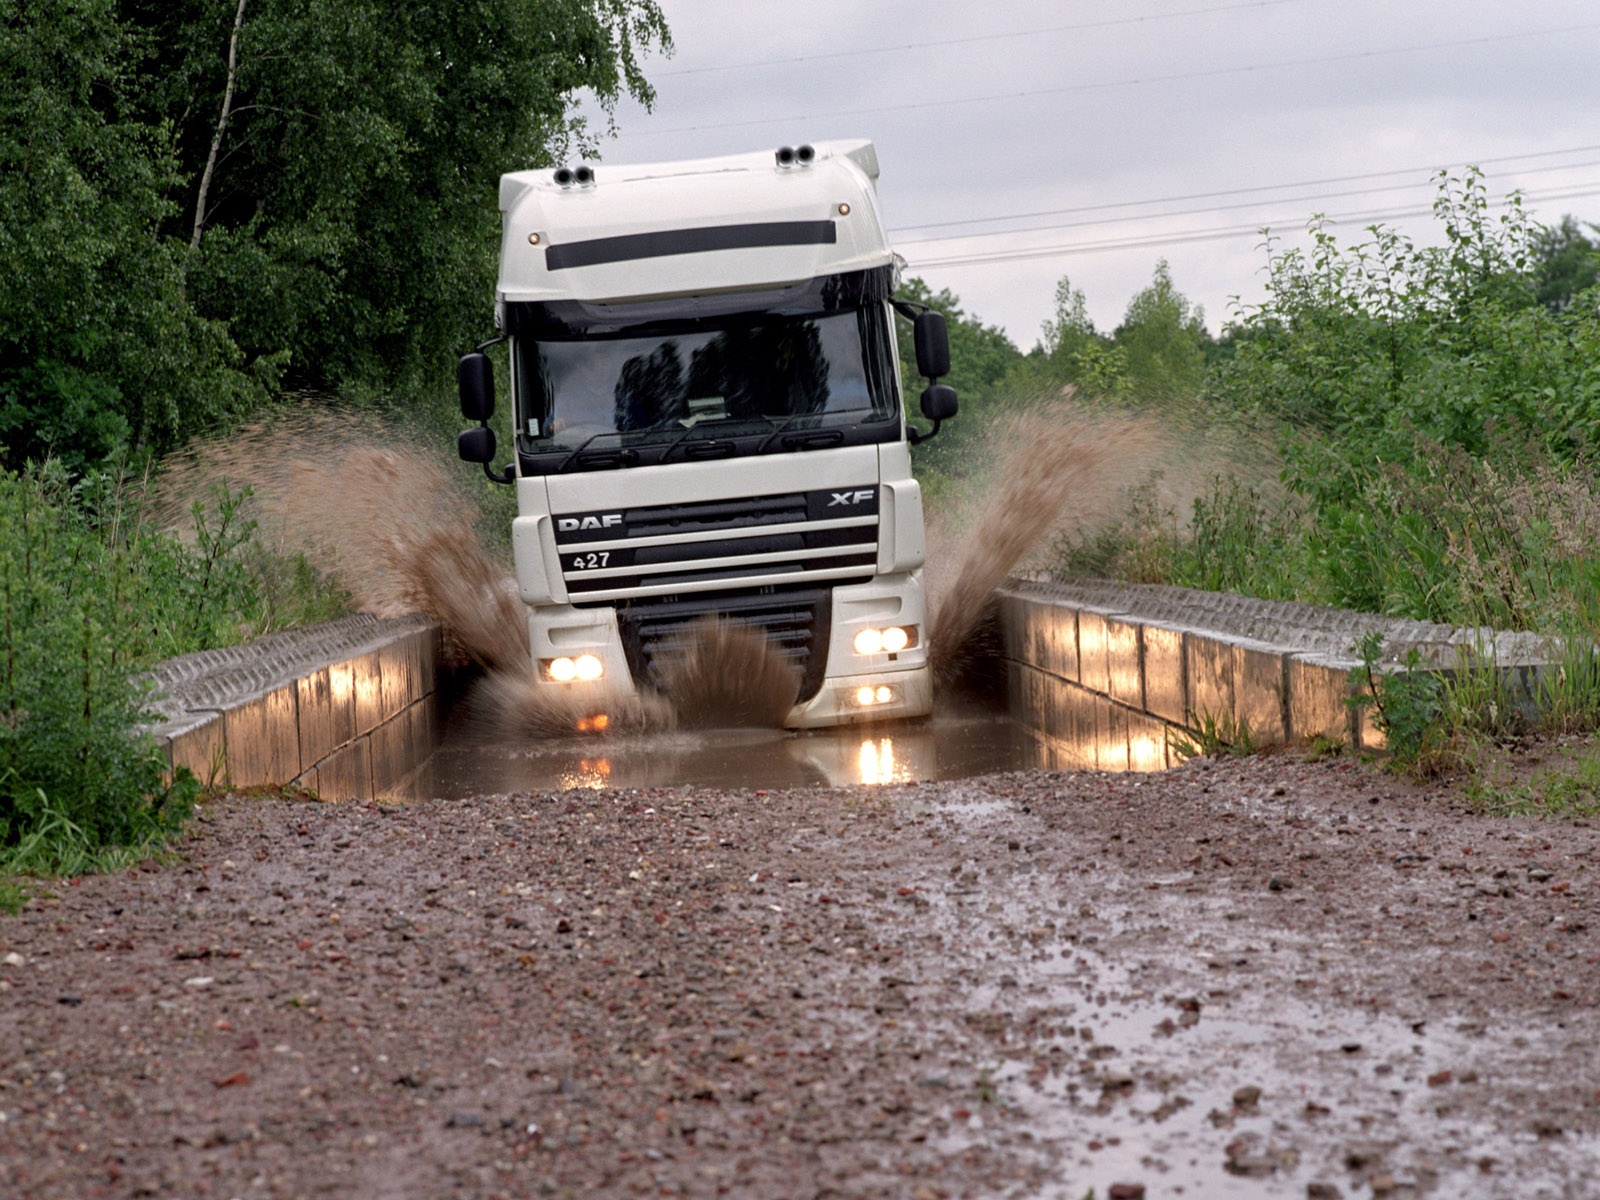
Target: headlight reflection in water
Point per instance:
(879, 764)
(589, 773)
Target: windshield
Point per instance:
(740, 384)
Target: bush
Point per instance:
(91, 592)
(74, 776)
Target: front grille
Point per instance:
(795, 623)
(788, 540)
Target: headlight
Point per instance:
(586, 667)
(885, 641)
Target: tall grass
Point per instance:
(91, 591)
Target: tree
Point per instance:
(99, 346)
(1078, 354)
(200, 199)
(1164, 339)
(980, 355)
(1566, 262)
(351, 216)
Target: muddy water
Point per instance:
(397, 529)
(477, 759)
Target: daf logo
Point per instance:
(839, 498)
(580, 524)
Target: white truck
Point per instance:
(707, 420)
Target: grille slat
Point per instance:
(795, 623)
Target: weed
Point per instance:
(1564, 792)
(1213, 736)
(1322, 746)
(14, 896)
(1407, 707)
(987, 1092)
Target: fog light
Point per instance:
(871, 695)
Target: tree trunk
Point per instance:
(222, 125)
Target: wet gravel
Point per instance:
(1262, 978)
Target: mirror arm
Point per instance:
(917, 436)
(505, 475)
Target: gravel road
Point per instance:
(1262, 977)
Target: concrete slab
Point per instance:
(1124, 664)
(1093, 638)
(1147, 743)
(347, 774)
(196, 742)
(1111, 735)
(1208, 674)
(1261, 692)
(1318, 690)
(1165, 681)
(315, 713)
(262, 739)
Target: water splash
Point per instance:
(398, 531)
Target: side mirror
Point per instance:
(938, 402)
(476, 445)
(933, 344)
(475, 382)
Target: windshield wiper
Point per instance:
(621, 456)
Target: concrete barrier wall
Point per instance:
(349, 709)
(1107, 675)
(1105, 688)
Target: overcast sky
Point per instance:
(1021, 142)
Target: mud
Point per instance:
(1253, 978)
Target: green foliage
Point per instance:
(72, 775)
(90, 592)
(1213, 736)
(981, 358)
(1376, 345)
(1076, 354)
(1407, 706)
(100, 349)
(343, 174)
(1565, 791)
(1162, 340)
(1567, 263)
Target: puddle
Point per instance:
(952, 745)
(1129, 1046)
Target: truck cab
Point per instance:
(707, 420)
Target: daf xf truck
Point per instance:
(706, 420)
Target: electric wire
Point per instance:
(973, 39)
(1189, 212)
(1255, 189)
(1258, 229)
(1173, 77)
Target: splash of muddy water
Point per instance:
(398, 532)
(1063, 470)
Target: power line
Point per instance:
(967, 41)
(1180, 76)
(1189, 212)
(1244, 191)
(1198, 235)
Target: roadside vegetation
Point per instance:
(1434, 413)
(205, 210)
